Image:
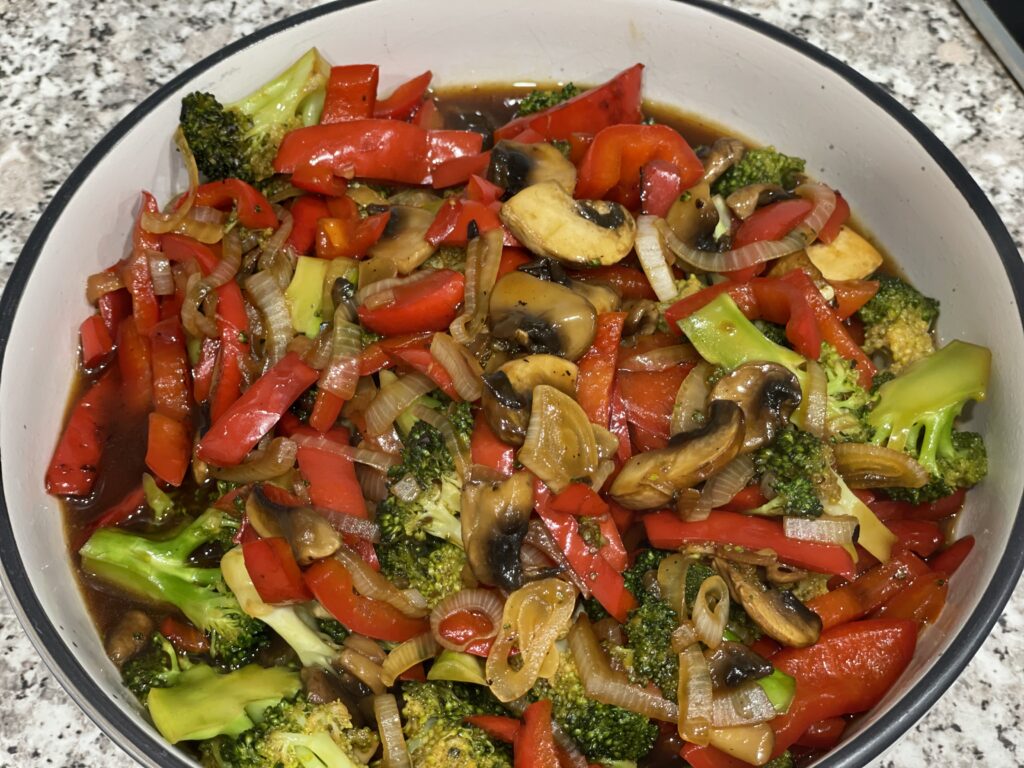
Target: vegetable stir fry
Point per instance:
(408, 439)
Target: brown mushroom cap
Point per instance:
(310, 535)
(732, 664)
(779, 613)
(495, 517)
(508, 391)
(651, 479)
(767, 393)
(404, 240)
(515, 166)
(693, 214)
(724, 153)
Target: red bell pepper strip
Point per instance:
(169, 448)
(137, 279)
(255, 413)
(483, 191)
(535, 741)
(847, 671)
(326, 410)
(611, 169)
(749, 498)
(253, 209)
(459, 170)
(512, 259)
(630, 282)
(823, 735)
(606, 584)
(772, 222)
(709, 757)
(274, 572)
(141, 239)
(331, 584)
(426, 305)
(597, 368)
(75, 463)
(851, 295)
(384, 353)
(922, 600)
(452, 223)
(332, 478)
(939, 509)
(868, 591)
(319, 180)
(487, 450)
(444, 146)
(618, 424)
(95, 340)
(503, 729)
(351, 93)
(661, 184)
(428, 116)
(404, 99)
(950, 560)
(133, 361)
(306, 212)
(229, 381)
(185, 637)
(579, 499)
(170, 370)
(350, 237)
(922, 537)
(617, 101)
(114, 307)
(741, 293)
(649, 396)
(666, 531)
(421, 360)
(835, 222)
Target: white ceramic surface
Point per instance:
(696, 59)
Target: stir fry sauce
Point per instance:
(594, 434)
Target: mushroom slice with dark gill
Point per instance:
(547, 220)
(652, 479)
(127, 637)
(508, 392)
(516, 166)
(778, 612)
(724, 154)
(404, 240)
(766, 392)
(602, 296)
(495, 517)
(541, 316)
(745, 200)
(693, 215)
(310, 535)
(732, 664)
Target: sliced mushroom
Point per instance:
(495, 516)
(547, 220)
(508, 392)
(768, 393)
(404, 240)
(745, 200)
(653, 478)
(848, 257)
(516, 166)
(547, 269)
(724, 153)
(541, 316)
(732, 664)
(129, 635)
(778, 612)
(601, 295)
(693, 215)
(311, 536)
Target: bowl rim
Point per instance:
(148, 750)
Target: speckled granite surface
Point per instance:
(71, 69)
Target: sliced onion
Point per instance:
(745, 704)
(560, 445)
(722, 486)
(537, 535)
(407, 655)
(362, 668)
(160, 273)
(373, 483)
(367, 647)
(375, 585)
(753, 744)
(268, 297)
(460, 364)
(314, 352)
(483, 257)
(337, 270)
(387, 287)
(653, 259)
(824, 200)
(372, 271)
(376, 459)
(194, 321)
(276, 241)
(230, 261)
(481, 601)
(660, 359)
(672, 582)
(691, 400)
(827, 529)
(341, 374)
(683, 637)
(812, 412)
(874, 466)
(394, 398)
(204, 224)
(443, 425)
(102, 283)
(389, 725)
(160, 223)
(604, 684)
(343, 522)
(273, 462)
(695, 696)
(711, 610)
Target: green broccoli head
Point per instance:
(295, 734)
(538, 100)
(157, 666)
(240, 140)
(898, 321)
(425, 457)
(159, 570)
(796, 467)
(639, 578)
(917, 412)
(436, 733)
(604, 732)
(848, 402)
(649, 640)
(760, 166)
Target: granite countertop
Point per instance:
(71, 70)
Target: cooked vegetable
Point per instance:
(760, 166)
(898, 320)
(848, 257)
(538, 100)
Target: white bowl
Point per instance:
(902, 182)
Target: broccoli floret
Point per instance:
(796, 466)
(649, 637)
(295, 734)
(637, 577)
(436, 732)
(448, 257)
(917, 412)
(157, 666)
(604, 732)
(898, 320)
(539, 100)
(773, 332)
(159, 570)
(333, 628)
(760, 166)
(848, 402)
(240, 140)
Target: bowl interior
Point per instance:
(700, 60)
